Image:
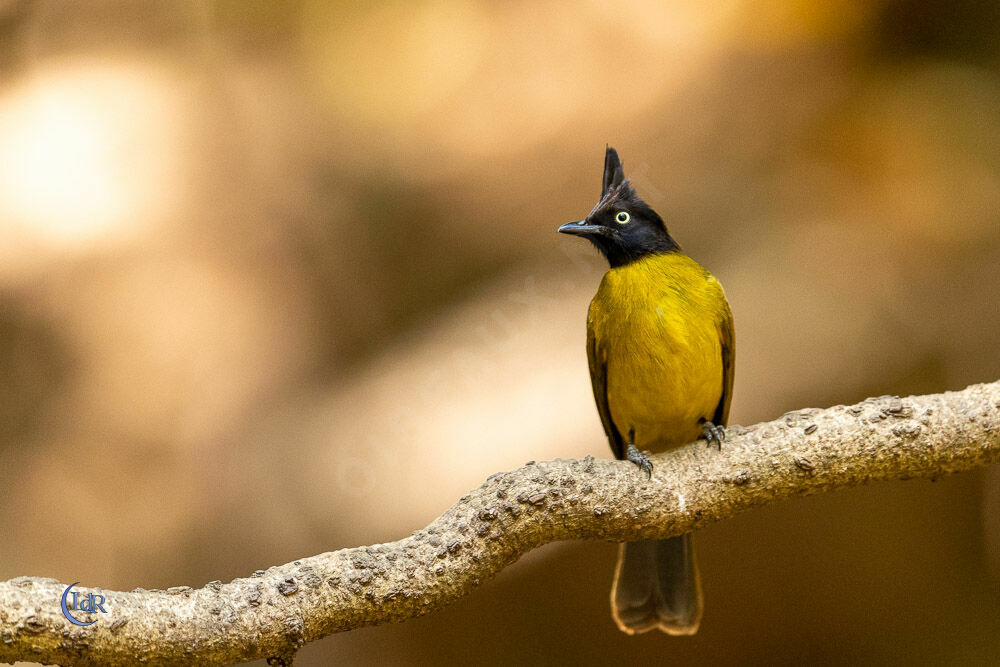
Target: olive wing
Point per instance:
(727, 338)
(599, 382)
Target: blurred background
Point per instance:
(281, 278)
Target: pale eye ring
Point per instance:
(622, 217)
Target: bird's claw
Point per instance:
(713, 434)
(635, 456)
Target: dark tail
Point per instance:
(657, 586)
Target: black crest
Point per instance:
(614, 175)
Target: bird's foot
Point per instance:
(713, 434)
(635, 456)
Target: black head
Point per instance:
(622, 226)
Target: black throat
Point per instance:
(619, 252)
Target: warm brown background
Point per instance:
(280, 278)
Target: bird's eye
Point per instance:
(622, 217)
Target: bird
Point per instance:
(661, 351)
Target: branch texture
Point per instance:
(271, 613)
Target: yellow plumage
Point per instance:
(660, 339)
(660, 347)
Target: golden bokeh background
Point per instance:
(281, 278)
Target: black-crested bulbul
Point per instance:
(661, 350)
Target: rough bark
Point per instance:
(271, 613)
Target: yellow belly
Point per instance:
(656, 322)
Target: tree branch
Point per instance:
(274, 612)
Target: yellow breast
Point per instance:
(656, 322)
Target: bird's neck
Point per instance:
(618, 256)
(655, 270)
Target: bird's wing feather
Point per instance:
(727, 338)
(599, 383)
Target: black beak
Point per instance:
(582, 228)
